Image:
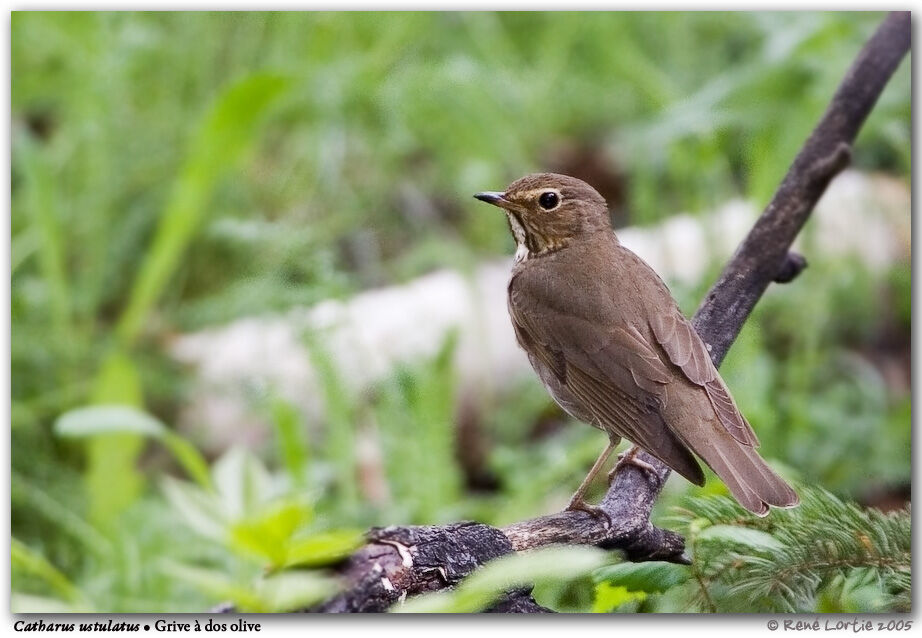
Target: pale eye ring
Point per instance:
(549, 200)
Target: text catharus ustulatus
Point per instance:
(612, 347)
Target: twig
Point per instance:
(381, 574)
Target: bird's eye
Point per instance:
(549, 200)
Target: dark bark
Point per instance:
(417, 559)
(401, 561)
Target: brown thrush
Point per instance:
(612, 347)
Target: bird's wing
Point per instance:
(616, 375)
(687, 351)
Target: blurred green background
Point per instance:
(177, 171)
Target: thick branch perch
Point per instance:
(401, 561)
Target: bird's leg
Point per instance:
(577, 502)
(630, 458)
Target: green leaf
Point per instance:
(339, 409)
(107, 419)
(268, 534)
(482, 587)
(123, 419)
(201, 510)
(217, 585)
(114, 454)
(650, 577)
(752, 538)
(188, 456)
(287, 422)
(323, 548)
(609, 597)
(293, 590)
(242, 482)
(282, 592)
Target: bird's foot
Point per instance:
(630, 458)
(577, 504)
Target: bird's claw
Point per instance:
(579, 505)
(630, 458)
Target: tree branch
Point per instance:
(401, 561)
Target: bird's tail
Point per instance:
(748, 477)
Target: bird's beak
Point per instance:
(491, 197)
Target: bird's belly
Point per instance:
(561, 395)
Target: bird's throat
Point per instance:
(529, 242)
(522, 251)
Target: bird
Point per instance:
(613, 349)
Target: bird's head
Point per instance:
(547, 211)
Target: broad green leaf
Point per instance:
(482, 587)
(753, 538)
(268, 534)
(650, 577)
(115, 454)
(107, 419)
(441, 602)
(609, 597)
(323, 548)
(123, 419)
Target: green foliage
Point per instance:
(826, 555)
(260, 534)
(269, 594)
(415, 418)
(651, 577)
(292, 447)
(340, 413)
(26, 560)
(114, 454)
(610, 597)
(823, 554)
(96, 420)
(800, 372)
(256, 520)
(254, 516)
(226, 133)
